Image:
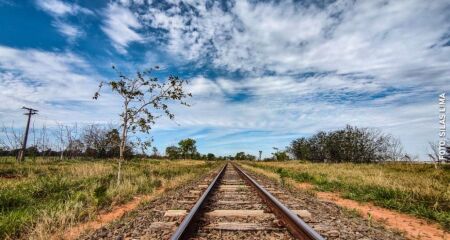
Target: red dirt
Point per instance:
(106, 217)
(413, 228)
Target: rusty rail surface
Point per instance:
(297, 227)
(295, 224)
(188, 223)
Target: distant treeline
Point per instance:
(93, 141)
(351, 144)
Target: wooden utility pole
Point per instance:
(25, 137)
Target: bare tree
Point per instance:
(60, 139)
(143, 95)
(65, 136)
(43, 141)
(434, 153)
(12, 139)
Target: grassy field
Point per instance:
(417, 189)
(42, 197)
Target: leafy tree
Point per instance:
(210, 156)
(244, 156)
(142, 96)
(350, 144)
(280, 156)
(112, 144)
(187, 147)
(240, 156)
(173, 152)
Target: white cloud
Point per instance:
(285, 112)
(391, 41)
(71, 31)
(60, 8)
(359, 48)
(120, 25)
(60, 85)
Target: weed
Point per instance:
(418, 189)
(50, 196)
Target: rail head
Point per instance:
(182, 232)
(295, 224)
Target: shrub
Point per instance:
(351, 144)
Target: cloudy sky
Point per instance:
(262, 72)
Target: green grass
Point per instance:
(417, 189)
(39, 198)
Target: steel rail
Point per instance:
(294, 224)
(187, 225)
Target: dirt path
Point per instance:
(159, 218)
(107, 217)
(414, 228)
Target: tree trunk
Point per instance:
(119, 172)
(123, 141)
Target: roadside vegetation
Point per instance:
(418, 189)
(40, 198)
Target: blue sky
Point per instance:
(262, 72)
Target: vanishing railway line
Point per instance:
(234, 206)
(231, 205)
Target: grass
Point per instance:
(42, 197)
(417, 189)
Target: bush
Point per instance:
(351, 144)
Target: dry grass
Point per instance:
(419, 189)
(40, 198)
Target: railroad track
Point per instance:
(229, 206)
(235, 206)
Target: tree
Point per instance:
(240, 156)
(112, 144)
(434, 155)
(142, 95)
(173, 152)
(187, 147)
(280, 156)
(75, 148)
(350, 144)
(12, 138)
(210, 156)
(65, 135)
(94, 138)
(155, 153)
(243, 156)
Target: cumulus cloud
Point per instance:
(120, 25)
(306, 66)
(386, 40)
(71, 31)
(60, 10)
(58, 84)
(291, 67)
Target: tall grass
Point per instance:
(417, 189)
(39, 198)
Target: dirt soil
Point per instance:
(412, 227)
(140, 223)
(331, 221)
(328, 219)
(106, 217)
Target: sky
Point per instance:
(262, 73)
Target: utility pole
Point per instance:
(260, 152)
(25, 137)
